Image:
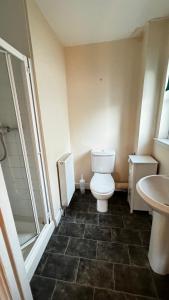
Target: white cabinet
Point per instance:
(139, 166)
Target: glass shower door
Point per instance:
(14, 162)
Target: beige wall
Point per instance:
(161, 153)
(13, 28)
(103, 94)
(49, 65)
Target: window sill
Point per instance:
(163, 142)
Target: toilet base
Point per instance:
(102, 206)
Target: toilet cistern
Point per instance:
(102, 184)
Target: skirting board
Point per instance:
(119, 186)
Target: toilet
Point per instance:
(102, 184)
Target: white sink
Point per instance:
(154, 190)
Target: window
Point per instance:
(163, 132)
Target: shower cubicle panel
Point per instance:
(20, 149)
(32, 144)
(13, 161)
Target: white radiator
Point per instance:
(66, 178)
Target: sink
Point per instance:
(154, 190)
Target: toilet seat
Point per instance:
(102, 183)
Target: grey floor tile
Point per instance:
(126, 236)
(119, 198)
(134, 280)
(82, 247)
(120, 210)
(87, 218)
(145, 237)
(57, 244)
(68, 291)
(110, 220)
(41, 264)
(79, 206)
(92, 208)
(162, 286)
(100, 294)
(97, 233)
(117, 232)
(71, 229)
(61, 267)
(70, 213)
(95, 273)
(42, 288)
(135, 297)
(112, 252)
(137, 221)
(68, 219)
(56, 229)
(138, 256)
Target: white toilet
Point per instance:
(102, 184)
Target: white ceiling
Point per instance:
(90, 21)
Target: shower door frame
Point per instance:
(41, 239)
(23, 145)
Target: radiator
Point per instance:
(66, 178)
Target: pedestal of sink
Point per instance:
(159, 244)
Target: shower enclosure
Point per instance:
(21, 156)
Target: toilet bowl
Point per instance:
(102, 187)
(102, 184)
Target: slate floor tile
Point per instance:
(162, 286)
(42, 288)
(87, 218)
(78, 197)
(138, 256)
(145, 237)
(135, 297)
(70, 213)
(56, 229)
(134, 280)
(100, 294)
(95, 273)
(110, 220)
(67, 291)
(41, 264)
(112, 252)
(119, 198)
(60, 267)
(71, 229)
(82, 247)
(120, 209)
(57, 244)
(68, 219)
(92, 208)
(126, 236)
(137, 221)
(103, 261)
(79, 206)
(97, 233)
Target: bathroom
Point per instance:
(91, 83)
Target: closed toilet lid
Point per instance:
(102, 183)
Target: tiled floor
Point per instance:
(93, 256)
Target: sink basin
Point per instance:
(154, 190)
